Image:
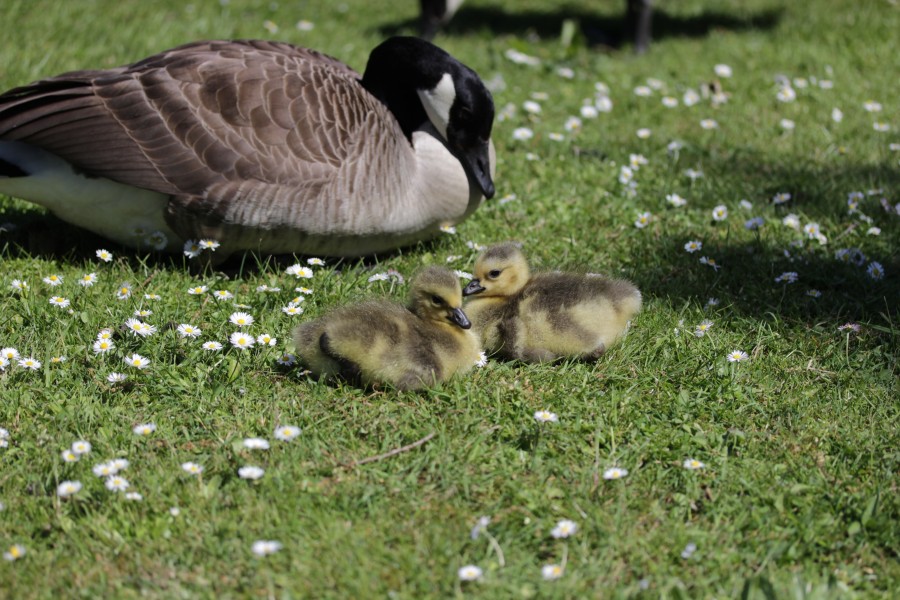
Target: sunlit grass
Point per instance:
(797, 492)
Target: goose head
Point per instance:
(437, 297)
(421, 83)
(500, 272)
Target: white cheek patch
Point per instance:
(438, 101)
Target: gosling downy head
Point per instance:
(501, 271)
(258, 145)
(436, 296)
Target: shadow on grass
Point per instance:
(597, 28)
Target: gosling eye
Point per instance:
(437, 300)
(494, 274)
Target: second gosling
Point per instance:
(410, 347)
(546, 316)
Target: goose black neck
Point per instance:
(397, 69)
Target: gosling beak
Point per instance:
(474, 287)
(459, 318)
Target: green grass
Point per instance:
(799, 494)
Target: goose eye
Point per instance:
(437, 300)
(494, 274)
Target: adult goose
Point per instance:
(258, 145)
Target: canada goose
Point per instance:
(545, 316)
(409, 347)
(258, 145)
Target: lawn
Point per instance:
(744, 174)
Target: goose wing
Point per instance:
(200, 117)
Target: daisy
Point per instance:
(157, 240)
(565, 72)
(192, 249)
(266, 289)
(692, 464)
(265, 547)
(615, 473)
(787, 124)
(854, 327)
(292, 309)
(690, 97)
(588, 111)
(208, 244)
(222, 295)
(545, 416)
(703, 328)
(812, 230)
(191, 468)
(551, 572)
(81, 447)
(115, 483)
(286, 433)
(30, 363)
(604, 104)
(813, 293)
(304, 25)
(689, 550)
(69, 456)
(737, 356)
(709, 124)
(144, 428)
(722, 70)
(15, 552)
(104, 255)
(643, 219)
(875, 271)
(124, 291)
(787, 277)
(643, 91)
(693, 246)
(786, 94)
(711, 262)
(555, 137)
(116, 377)
(212, 346)
(669, 102)
(482, 360)
(470, 573)
(676, 200)
(140, 328)
(882, 127)
(103, 346)
(573, 124)
(19, 285)
(522, 134)
(626, 174)
(720, 213)
(530, 106)
(9, 353)
(103, 469)
(564, 529)
(134, 496)
(142, 312)
(59, 301)
(197, 290)
(188, 331)
(837, 115)
(137, 361)
(241, 340)
(250, 472)
(256, 444)
(241, 319)
(792, 221)
(53, 280)
(266, 340)
(68, 488)
(299, 271)
(872, 106)
(643, 133)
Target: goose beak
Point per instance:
(458, 317)
(474, 287)
(477, 161)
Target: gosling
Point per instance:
(410, 347)
(547, 316)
